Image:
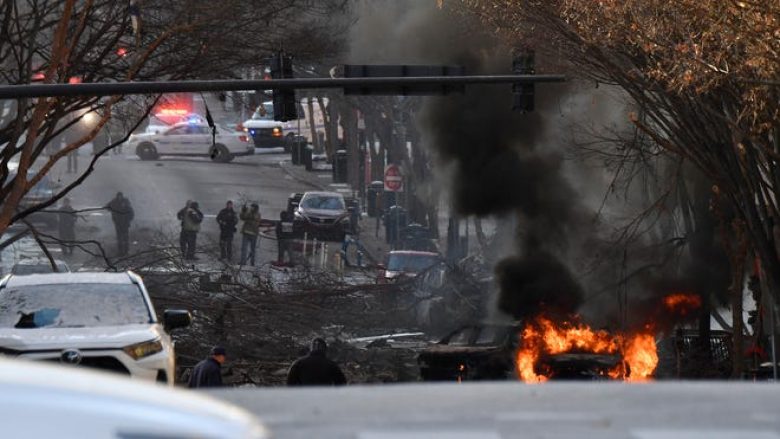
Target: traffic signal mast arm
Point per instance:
(127, 88)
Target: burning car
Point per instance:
(538, 351)
(565, 348)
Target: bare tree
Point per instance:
(105, 41)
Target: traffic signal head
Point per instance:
(523, 93)
(285, 107)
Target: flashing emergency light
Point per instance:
(172, 112)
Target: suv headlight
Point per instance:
(143, 349)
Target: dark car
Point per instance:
(323, 216)
(578, 366)
(43, 191)
(472, 352)
(402, 264)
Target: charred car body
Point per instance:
(472, 352)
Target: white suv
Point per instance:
(99, 320)
(191, 140)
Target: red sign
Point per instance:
(394, 179)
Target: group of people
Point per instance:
(191, 217)
(313, 369)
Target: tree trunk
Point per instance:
(315, 138)
(330, 117)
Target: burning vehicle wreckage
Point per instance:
(563, 348)
(386, 332)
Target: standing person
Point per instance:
(249, 231)
(67, 224)
(180, 216)
(73, 161)
(283, 235)
(122, 214)
(315, 369)
(190, 226)
(227, 220)
(208, 373)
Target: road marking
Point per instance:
(548, 416)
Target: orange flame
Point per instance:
(545, 337)
(682, 303)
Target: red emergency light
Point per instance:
(172, 112)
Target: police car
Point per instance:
(191, 139)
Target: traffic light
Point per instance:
(523, 93)
(285, 107)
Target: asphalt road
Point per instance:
(669, 410)
(158, 189)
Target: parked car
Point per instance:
(407, 263)
(191, 140)
(471, 352)
(43, 191)
(38, 266)
(322, 215)
(43, 401)
(100, 320)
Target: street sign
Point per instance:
(394, 179)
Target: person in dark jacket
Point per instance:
(190, 226)
(182, 235)
(284, 230)
(122, 214)
(315, 369)
(227, 220)
(67, 225)
(208, 373)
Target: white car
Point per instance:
(98, 320)
(191, 140)
(43, 401)
(162, 122)
(264, 130)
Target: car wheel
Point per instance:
(147, 151)
(221, 154)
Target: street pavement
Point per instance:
(158, 189)
(679, 410)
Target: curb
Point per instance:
(286, 169)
